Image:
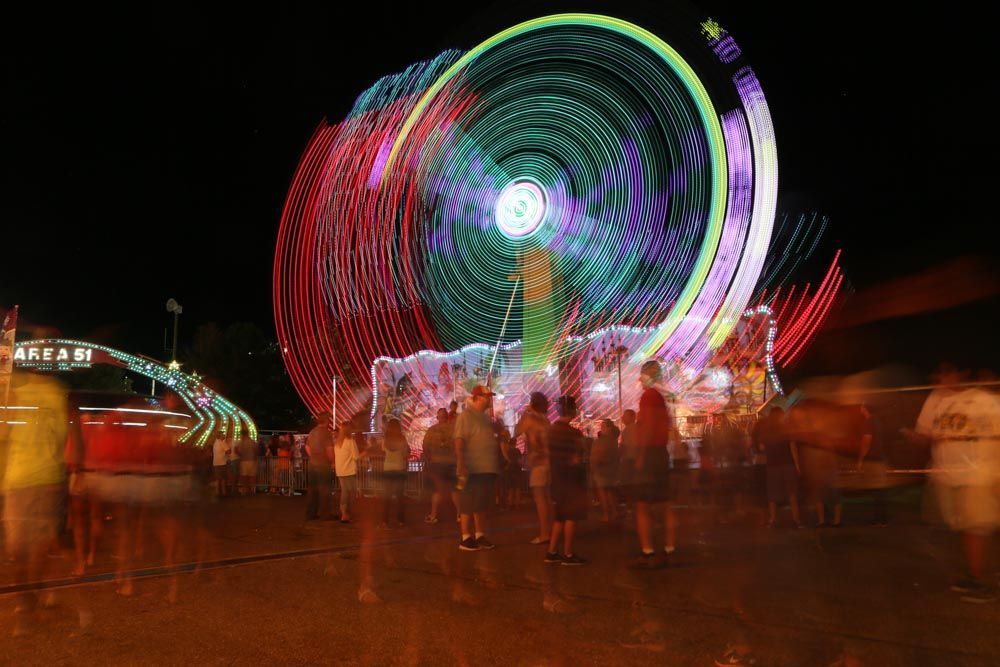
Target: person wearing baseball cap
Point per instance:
(534, 427)
(477, 455)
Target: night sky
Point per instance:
(146, 155)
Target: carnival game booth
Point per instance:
(738, 380)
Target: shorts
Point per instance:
(782, 482)
(221, 472)
(651, 492)
(31, 517)
(479, 493)
(569, 493)
(652, 483)
(540, 476)
(443, 475)
(248, 468)
(970, 509)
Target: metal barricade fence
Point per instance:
(290, 476)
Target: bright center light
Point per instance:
(520, 209)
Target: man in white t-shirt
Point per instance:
(963, 424)
(345, 461)
(220, 462)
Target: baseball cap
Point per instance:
(480, 390)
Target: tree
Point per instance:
(244, 364)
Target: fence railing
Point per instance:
(290, 476)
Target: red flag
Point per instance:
(7, 352)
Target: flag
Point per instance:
(7, 352)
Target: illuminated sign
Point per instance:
(64, 356)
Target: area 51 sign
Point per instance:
(67, 356)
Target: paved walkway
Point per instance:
(280, 590)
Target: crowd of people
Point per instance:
(640, 467)
(59, 471)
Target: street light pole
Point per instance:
(619, 351)
(176, 309)
(173, 351)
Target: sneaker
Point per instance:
(484, 543)
(469, 544)
(430, 519)
(974, 592)
(965, 585)
(573, 559)
(983, 595)
(552, 558)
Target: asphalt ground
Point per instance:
(256, 583)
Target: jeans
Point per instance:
(348, 489)
(393, 483)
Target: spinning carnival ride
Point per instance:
(573, 206)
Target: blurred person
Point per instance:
(604, 462)
(85, 516)
(726, 442)
(220, 463)
(345, 457)
(817, 428)
(319, 448)
(439, 448)
(476, 454)
(233, 462)
(629, 453)
(534, 427)
(513, 474)
(32, 444)
(453, 411)
(248, 451)
(680, 471)
(963, 425)
(651, 475)
(500, 481)
(771, 438)
(165, 479)
(283, 466)
(394, 470)
(871, 465)
(569, 484)
(271, 463)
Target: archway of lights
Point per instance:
(572, 185)
(209, 410)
